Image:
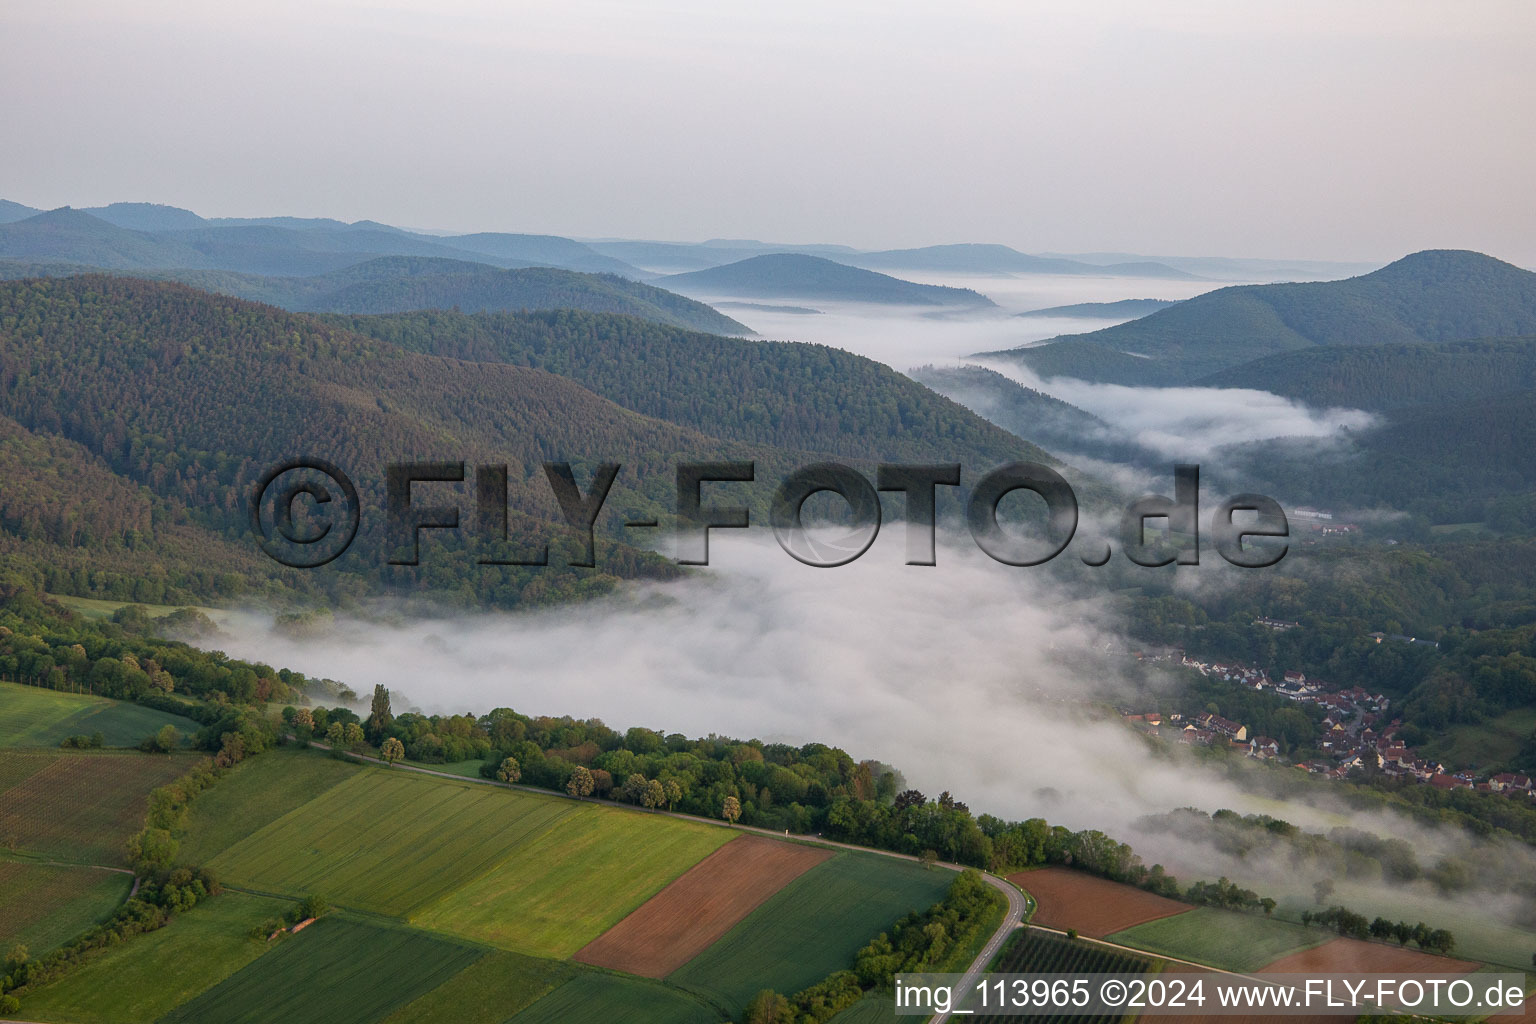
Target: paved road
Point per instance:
(1011, 919)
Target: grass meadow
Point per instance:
(616, 999)
(255, 793)
(565, 886)
(46, 905)
(139, 981)
(812, 926)
(1222, 938)
(488, 991)
(339, 970)
(31, 716)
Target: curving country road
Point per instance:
(1011, 920)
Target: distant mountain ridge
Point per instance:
(397, 284)
(144, 236)
(962, 258)
(1122, 310)
(73, 236)
(798, 275)
(10, 211)
(971, 257)
(1433, 296)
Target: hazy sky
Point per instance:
(1355, 130)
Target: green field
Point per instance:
(1483, 745)
(564, 887)
(339, 970)
(95, 608)
(1222, 938)
(387, 841)
(488, 991)
(46, 905)
(812, 927)
(79, 806)
(521, 871)
(255, 793)
(1479, 934)
(139, 981)
(31, 716)
(616, 999)
(872, 1009)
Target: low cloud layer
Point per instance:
(969, 676)
(1192, 422)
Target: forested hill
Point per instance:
(1447, 462)
(1103, 310)
(70, 524)
(1059, 426)
(1000, 259)
(142, 236)
(171, 402)
(797, 275)
(787, 395)
(1380, 377)
(392, 284)
(194, 396)
(72, 236)
(1433, 296)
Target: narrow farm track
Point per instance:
(1012, 918)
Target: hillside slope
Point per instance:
(71, 236)
(785, 395)
(1433, 296)
(70, 524)
(393, 284)
(796, 275)
(147, 236)
(127, 371)
(1124, 308)
(975, 258)
(1450, 462)
(187, 398)
(1379, 377)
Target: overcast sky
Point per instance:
(1352, 130)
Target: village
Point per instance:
(1357, 733)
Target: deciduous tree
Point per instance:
(581, 782)
(380, 718)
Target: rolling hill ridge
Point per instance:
(391, 284)
(1429, 297)
(116, 381)
(797, 275)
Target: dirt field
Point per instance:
(681, 921)
(1347, 956)
(1095, 907)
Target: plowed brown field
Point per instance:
(1096, 907)
(1341, 956)
(1350, 956)
(685, 918)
